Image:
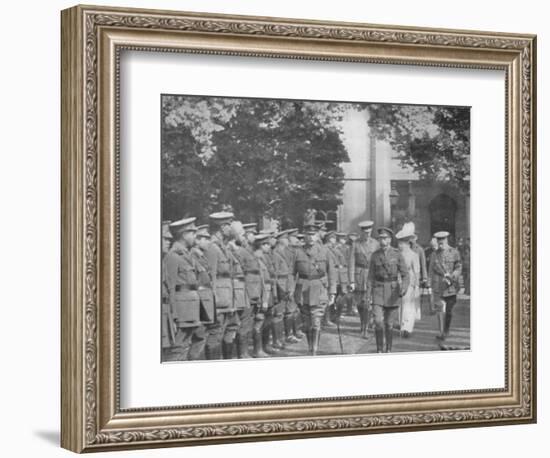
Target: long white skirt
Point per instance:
(410, 308)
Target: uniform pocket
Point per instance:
(187, 306)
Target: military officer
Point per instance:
(358, 270)
(283, 259)
(168, 329)
(213, 329)
(444, 271)
(315, 287)
(273, 315)
(344, 246)
(182, 283)
(319, 231)
(262, 251)
(240, 296)
(388, 280)
(220, 263)
(341, 267)
(254, 287)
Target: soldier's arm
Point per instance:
(212, 259)
(331, 273)
(351, 264)
(171, 276)
(457, 268)
(370, 276)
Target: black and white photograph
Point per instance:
(299, 228)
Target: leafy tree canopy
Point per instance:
(260, 157)
(434, 141)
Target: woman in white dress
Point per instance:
(410, 306)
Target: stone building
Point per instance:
(378, 187)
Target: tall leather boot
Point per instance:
(379, 340)
(257, 341)
(309, 335)
(278, 337)
(289, 330)
(242, 346)
(268, 348)
(228, 349)
(389, 338)
(447, 327)
(315, 334)
(297, 326)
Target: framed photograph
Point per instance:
(277, 228)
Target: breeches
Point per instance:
(312, 315)
(189, 343)
(246, 319)
(384, 316)
(223, 329)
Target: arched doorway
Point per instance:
(443, 214)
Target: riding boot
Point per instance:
(315, 334)
(379, 340)
(257, 341)
(278, 337)
(268, 348)
(389, 338)
(447, 327)
(242, 346)
(309, 335)
(228, 349)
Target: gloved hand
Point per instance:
(331, 299)
(351, 287)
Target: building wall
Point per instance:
(369, 175)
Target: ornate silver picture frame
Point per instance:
(93, 39)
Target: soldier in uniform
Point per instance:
(358, 268)
(254, 286)
(444, 272)
(182, 283)
(283, 259)
(220, 263)
(274, 314)
(295, 244)
(341, 266)
(213, 329)
(262, 252)
(345, 249)
(240, 296)
(168, 329)
(319, 231)
(315, 287)
(388, 280)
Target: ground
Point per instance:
(422, 339)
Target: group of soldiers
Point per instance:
(231, 291)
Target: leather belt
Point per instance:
(224, 275)
(386, 280)
(310, 277)
(363, 266)
(185, 288)
(253, 272)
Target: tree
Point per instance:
(432, 140)
(261, 157)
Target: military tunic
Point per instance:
(205, 285)
(388, 277)
(316, 280)
(168, 330)
(444, 272)
(220, 263)
(182, 283)
(359, 262)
